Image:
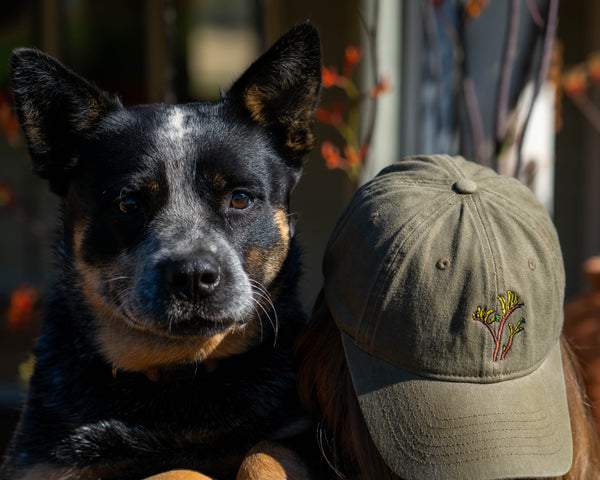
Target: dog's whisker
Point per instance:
(109, 280)
(268, 317)
(260, 322)
(262, 293)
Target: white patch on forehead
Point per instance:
(174, 129)
(175, 125)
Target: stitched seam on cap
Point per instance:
(431, 455)
(448, 163)
(539, 226)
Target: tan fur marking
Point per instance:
(153, 187)
(79, 235)
(139, 351)
(297, 122)
(83, 123)
(179, 475)
(90, 283)
(269, 262)
(219, 181)
(255, 99)
(281, 219)
(271, 461)
(31, 126)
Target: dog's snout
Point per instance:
(193, 279)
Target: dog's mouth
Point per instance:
(177, 313)
(185, 322)
(174, 298)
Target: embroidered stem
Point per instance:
(499, 336)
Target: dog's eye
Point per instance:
(128, 206)
(240, 200)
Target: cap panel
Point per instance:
(366, 235)
(418, 321)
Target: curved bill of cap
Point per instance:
(426, 428)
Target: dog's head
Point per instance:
(176, 217)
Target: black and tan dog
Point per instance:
(167, 337)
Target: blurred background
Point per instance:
(512, 84)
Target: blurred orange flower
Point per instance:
(9, 123)
(21, 306)
(329, 77)
(7, 195)
(352, 56)
(382, 87)
(474, 8)
(575, 82)
(345, 116)
(594, 68)
(331, 154)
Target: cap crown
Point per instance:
(457, 272)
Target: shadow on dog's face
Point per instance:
(176, 218)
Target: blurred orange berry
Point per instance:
(329, 76)
(575, 82)
(331, 154)
(9, 123)
(352, 56)
(21, 306)
(594, 68)
(7, 195)
(382, 87)
(474, 8)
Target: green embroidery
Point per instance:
(488, 317)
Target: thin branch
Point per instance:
(506, 71)
(474, 115)
(371, 31)
(535, 13)
(541, 76)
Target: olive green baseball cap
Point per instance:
(446, 281)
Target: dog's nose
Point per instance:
(193, 280)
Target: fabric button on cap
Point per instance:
(465, 185)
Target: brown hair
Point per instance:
(325, 388)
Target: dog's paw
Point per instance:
(271, 461)
(179, 475)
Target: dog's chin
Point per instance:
(144, 344)
(190, 327)
(185, 320)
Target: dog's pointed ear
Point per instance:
(281, 89)
(57, 109)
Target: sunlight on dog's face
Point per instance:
(179, 227)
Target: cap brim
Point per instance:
(428, 428)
